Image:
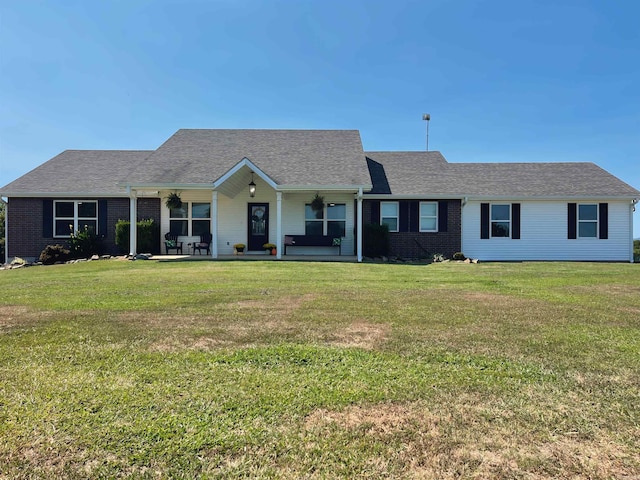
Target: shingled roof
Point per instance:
(420, 173)
(79, 172)
(288, 157)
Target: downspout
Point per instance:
(6, 230)
(463, 203)
(359, 227)
(632, 209)
(133, 221)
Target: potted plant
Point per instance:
(173, 201)
(317, 204)
(270, 248)
(239, 248)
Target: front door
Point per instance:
(258, 223)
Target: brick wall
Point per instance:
(25, 219)
(420, 245)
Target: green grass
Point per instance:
(320, 370)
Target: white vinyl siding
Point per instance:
(543, 234)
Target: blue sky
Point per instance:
(503, 80)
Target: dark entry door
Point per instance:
(258, 223)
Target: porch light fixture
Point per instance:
(252, 187)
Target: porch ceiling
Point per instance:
(237, 183)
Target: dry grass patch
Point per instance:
(474, 437)
(361, 334)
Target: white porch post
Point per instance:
(133, 220)
(214, 224)
(279, 225)
(6, 230)
(359, 227)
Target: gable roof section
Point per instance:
(79, 172)
(420, 173)
(290, 157)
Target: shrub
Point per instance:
(376, 241)
(148, 233)
(54, 253)
(85, 243)
(459, 256)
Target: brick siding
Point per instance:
(25, 219)
(420, 245)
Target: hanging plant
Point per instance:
(173, 201)
(317, 204)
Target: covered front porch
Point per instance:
(245, 206)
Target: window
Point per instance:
(428, 216)
(193, 218)
(500, 220)
(313, 220)
(74, 215)
(332, 224)
(336, 220)
(389, 215)
(588, 221)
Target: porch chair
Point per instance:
(171, 242)
(204, 244)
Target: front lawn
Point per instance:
(320, 370)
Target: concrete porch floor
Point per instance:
(257, 257)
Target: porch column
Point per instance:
(279, 225)
(214, 224)
(133, 220)
(359, 227)
(6, 230)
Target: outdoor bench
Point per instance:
(312, 241)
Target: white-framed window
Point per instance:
(390, 215)
(192, 219)
(74, 215)
(331, 220)
(428, 216)
(588, 220)
(501, 220)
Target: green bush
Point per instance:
(85, 243)
(148, 233)
(54, 253)
(636, 251)
(376, 241)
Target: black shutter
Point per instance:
(102, 218)
(375, 212)
(47, 218)
(414, 216)
(404, 216)
(604, 221)
(515, 221)
(484, 220)
(443, 216)
(572, 221)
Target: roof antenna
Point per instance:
(427, 117)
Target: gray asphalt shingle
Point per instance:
(420, 173)
(309, 158)
(289, 157)
(96, 172)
